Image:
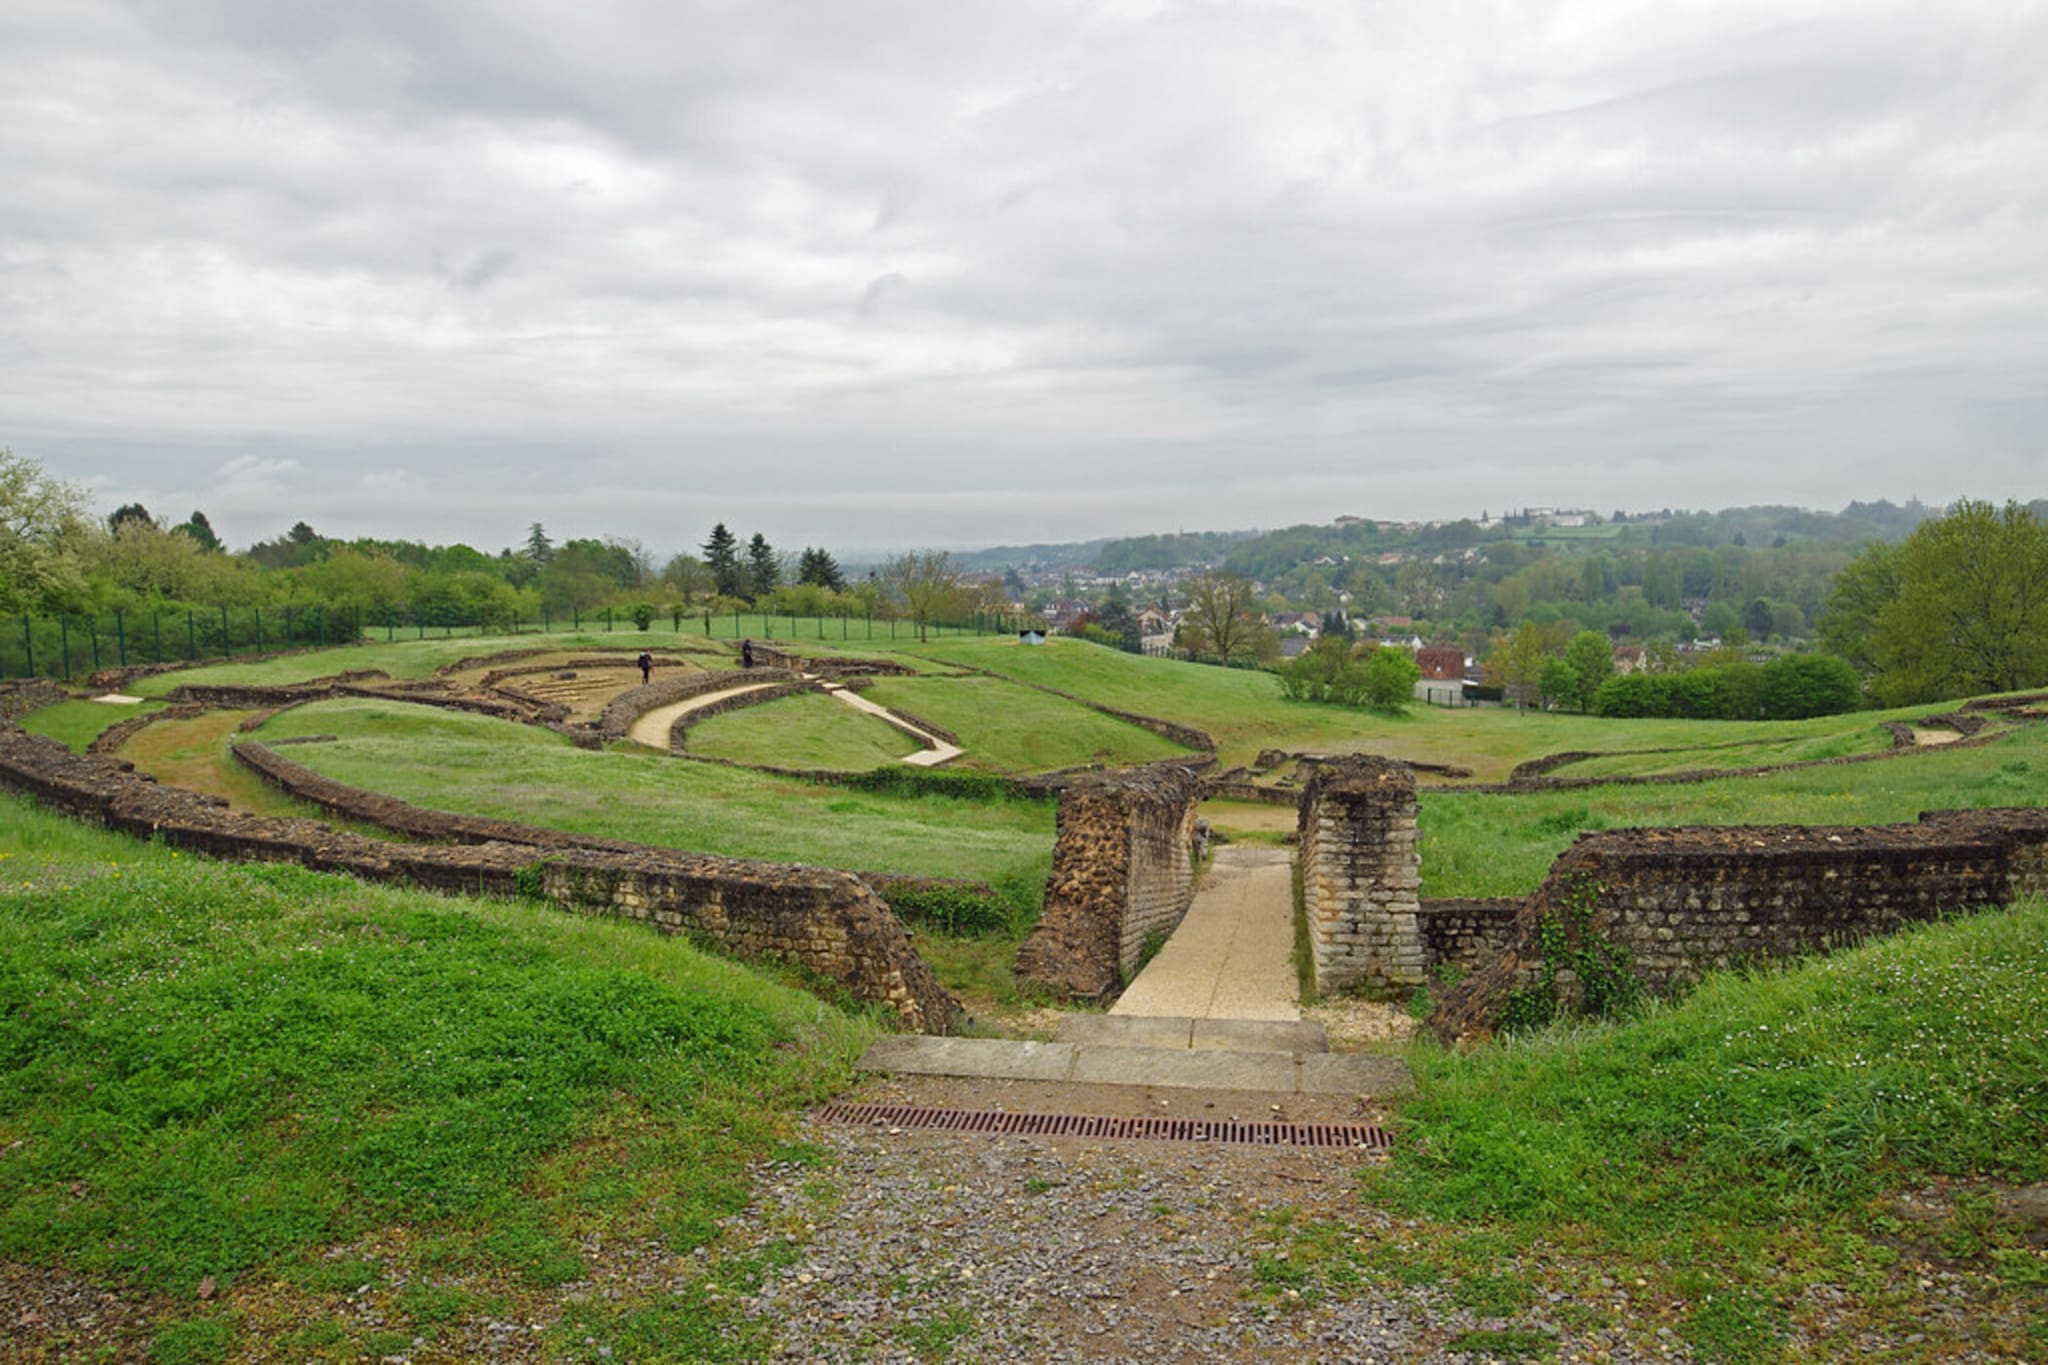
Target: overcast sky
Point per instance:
(875, 274)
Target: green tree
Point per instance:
(925, 584)
(689, 576)
(763, 569)
(1515, 665)
(42, 529)
(1971, 613)
(129, 512)
(1863, 589)
(1389, 680)
(818, 568)
(539, 548)
(200, 529)
(1592, 661)
(1558, 681)
(722, 558)
(1221, 618)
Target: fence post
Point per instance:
(607, 620)
(92, 628)
(735, 623)
(156, 621)
(227, 650)
(64, 642)
(28, 645)
(191, 637)
(259, 628)
(287, 627)
(121, 638)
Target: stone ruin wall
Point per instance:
(1688, 900)
(1122, 869)
(1360, 874)
(1466, 934)
(28, 694)
(825, 921)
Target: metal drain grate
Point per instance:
(1355, 1136)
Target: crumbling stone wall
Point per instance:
(27, 694)
(1684, 901)
(1466, 934)
(825, 921)
(1360, 873)
(1122, 869)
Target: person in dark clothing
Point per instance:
(646, 668)
(746, 654)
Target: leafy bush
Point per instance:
(1332, 672)
(963, 911)
(1796, 687)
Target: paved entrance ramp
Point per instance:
(1233, 955)
(1216, 1009)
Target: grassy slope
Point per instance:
(1475, 844)
(808, 730)
(1245, 712)
(79, 723)
(1836, 738)
(1729, 1146)
(219, 1070)
(450, 761)
(1007, 728)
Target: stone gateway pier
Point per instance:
(1361, 874)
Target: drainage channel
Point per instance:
(1353, 1136)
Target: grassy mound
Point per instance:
(1726, 1168)
(1011, 729)
(219, 1071)
(806, 731)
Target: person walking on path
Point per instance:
(746, 654)
(646, 662)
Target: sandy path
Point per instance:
(653, 727)
(1233, 955)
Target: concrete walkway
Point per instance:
(1233, 955)
(935, 750)
(1218, 1008)
(652, 728)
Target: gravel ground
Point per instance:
(1017, 1248)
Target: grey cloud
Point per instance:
(1110, 266)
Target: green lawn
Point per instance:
(1244, 712)
(808, 730)
(79, 723)
(450, 761)
(253, 1075)
(1481, 844)
(1013, 729)
(1856, 734)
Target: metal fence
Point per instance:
(72, 646)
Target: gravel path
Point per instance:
(1014, 1248)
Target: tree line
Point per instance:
(58, 560)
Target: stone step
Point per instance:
(1298, 1073)
(1179, 1031)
